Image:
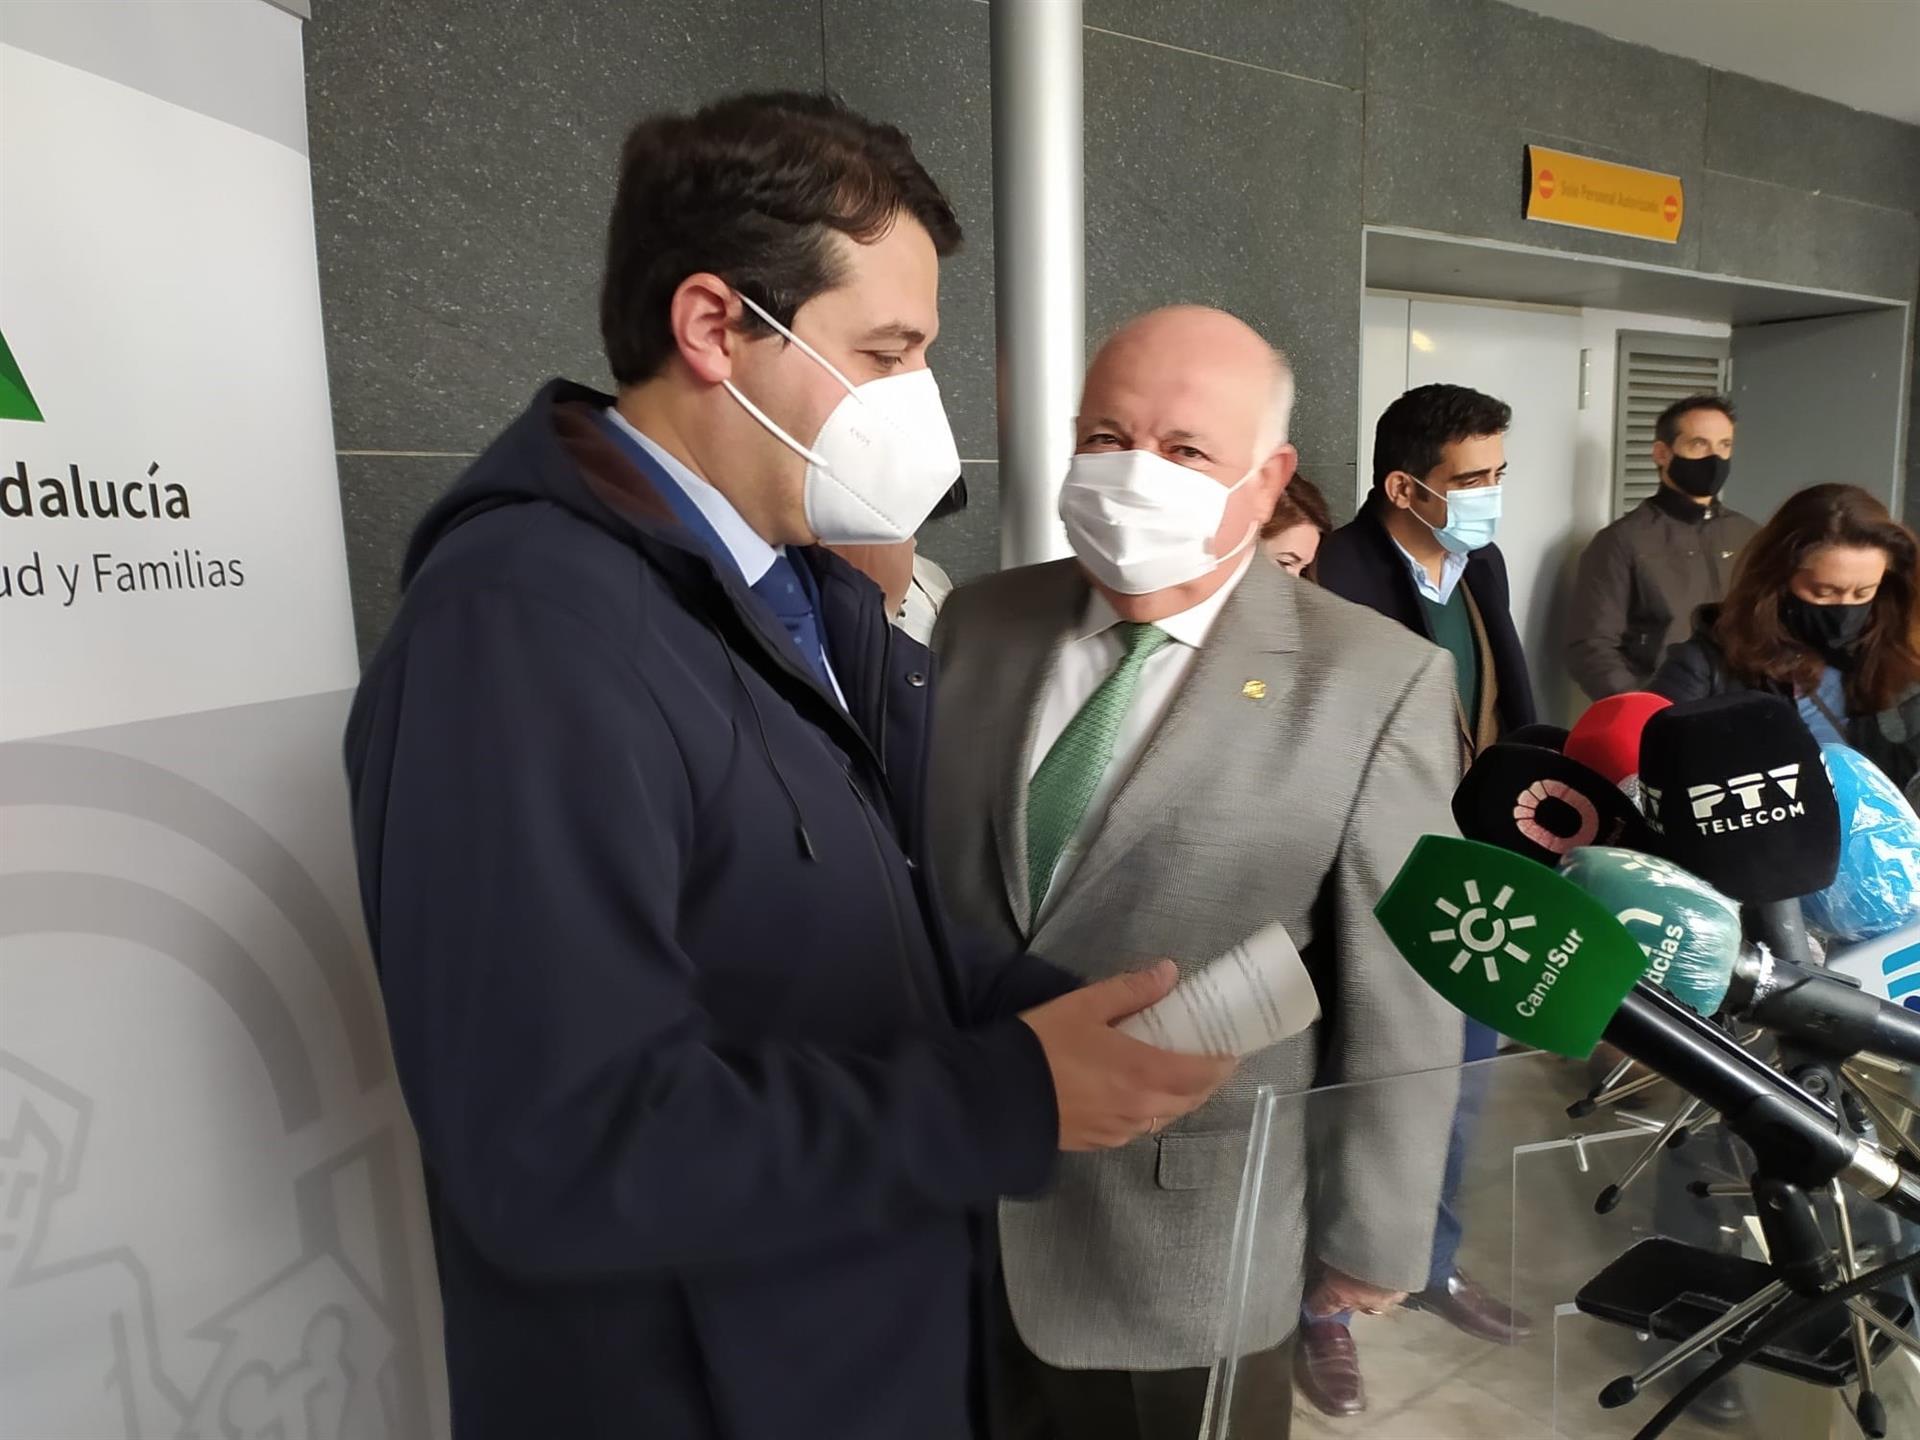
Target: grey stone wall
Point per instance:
(463, 157)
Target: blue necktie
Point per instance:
(781, 591)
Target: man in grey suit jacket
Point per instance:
(1155, 751)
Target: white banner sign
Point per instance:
(212, 1221)
(170, 524)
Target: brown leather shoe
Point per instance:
(1471, 1308)
(1326, 1367)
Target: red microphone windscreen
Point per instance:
(1607, 738)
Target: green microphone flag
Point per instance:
(1510, 943)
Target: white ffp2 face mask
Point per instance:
(882, 459)
(1141, 523)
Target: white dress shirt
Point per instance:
(925, 595)
(1092, 654)
(1451, 569)
(752, 555)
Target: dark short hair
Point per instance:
(1415, 428)
(1666, 429)
(751, 189)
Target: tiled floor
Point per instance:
(1533, 1233)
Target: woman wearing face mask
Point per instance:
(1301, 520)
(1822, 609)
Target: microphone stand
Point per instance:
(1798, 1253)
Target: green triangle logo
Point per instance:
(16, 400)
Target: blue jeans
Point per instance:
(1481, 1043)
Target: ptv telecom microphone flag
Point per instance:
(1734, 788)
(1509, 943)
(1539, 804)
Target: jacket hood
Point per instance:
(555, 452)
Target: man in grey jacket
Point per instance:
(1644, 575)
(1160, 748)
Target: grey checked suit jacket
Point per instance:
(1295, 799)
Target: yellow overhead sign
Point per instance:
(1590, 194)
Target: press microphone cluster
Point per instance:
(1522, 949)
(1735, 853)
(1740, 810)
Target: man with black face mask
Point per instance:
(1643, 576)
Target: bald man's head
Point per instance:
(1196, 388)
(1197, 357)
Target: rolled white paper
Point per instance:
(1255, 995)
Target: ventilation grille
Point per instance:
(1654, 371)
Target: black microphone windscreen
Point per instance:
(1735, 789)
(1536, 802)
(1547, 737)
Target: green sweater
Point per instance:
(1452, 629)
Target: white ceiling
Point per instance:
(1863, 53)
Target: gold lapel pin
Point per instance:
(1254, 690)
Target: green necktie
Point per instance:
(1057, 795)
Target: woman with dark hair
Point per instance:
(1821, 610)
(1291, 537)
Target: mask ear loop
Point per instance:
(779, 434)
(811, 457)
(1253, 529)
(1436, 529)
(816, 356)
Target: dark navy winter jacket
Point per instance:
(711, 1104)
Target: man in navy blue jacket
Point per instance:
(713, 1105)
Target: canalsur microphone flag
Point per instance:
(1877, 889)
(1540, 804)
(1607, 738)
(1510, 943)
(1735, 792)
(1689, 931)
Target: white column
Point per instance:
(1039, 263)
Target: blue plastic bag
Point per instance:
(1878, 887)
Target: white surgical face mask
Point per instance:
(882, 459)
(1141, 523)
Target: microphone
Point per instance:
(1689, 932)
(1547, 737)
(1877, 889)
(1522, 949)
(1691, 936)
(1887, 967)
(1538, 803)
(1607, 738)
(1735, 792)
(1823, 1013)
